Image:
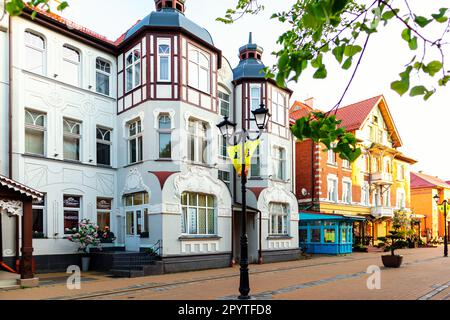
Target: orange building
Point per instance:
(423, 188)
(374, 186)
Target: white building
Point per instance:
(124, 133)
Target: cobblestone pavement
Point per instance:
(425, 275)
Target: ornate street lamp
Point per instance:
(444, 204)
(228, 131)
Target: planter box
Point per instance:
(391, 261)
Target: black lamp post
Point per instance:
(228, 131)
(444, 203)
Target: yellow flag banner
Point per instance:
(441, 208)
(235, 154)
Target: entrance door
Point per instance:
(133, 230)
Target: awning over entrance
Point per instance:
(326, 216)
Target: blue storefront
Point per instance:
(326, 233)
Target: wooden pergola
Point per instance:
(16, 202)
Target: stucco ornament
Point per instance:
(88, 108)
(12, 208)
(135, 183)
(277, 192)
(199, 180)
(54, 99)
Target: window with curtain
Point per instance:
(135, 142)
(35, 53)
(163, 60)
(197, 141)
(38, 218)
(165, 136)
(347, 192)
(198, 214)
(104, 207)
(72, 139)
(71, 66)
(278, 213)
(279, 162)
(104, 146)
(199, 70)
(35, 127)
(72, 213)
(332, 187)
(133, 70)
(103, 76)
(224, 99)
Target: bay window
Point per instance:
(164, 60)
(165, 137)
(278, 213)
(133, 70)
(199, 70)
(103, 76)
(103, 146)
(35, 132)
(198, 214)
(72, 138)
(35, 53)
(135, 142)
(71, 65)
(197, 142)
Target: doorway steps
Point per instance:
(9, 281)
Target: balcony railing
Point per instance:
(380, 212)
(381, 178)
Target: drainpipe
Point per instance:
(260, 258)
(10, 99)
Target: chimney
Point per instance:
(310, 102)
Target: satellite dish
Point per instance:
(304, 192)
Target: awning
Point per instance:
(238, 208)
(326, 216)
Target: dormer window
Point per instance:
(133, 69)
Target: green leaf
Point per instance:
(406, 34)
(338, 6)
(413, 43)
(402, 86)
(283, 61)
(440, 17)
(350, 50)
(428, 95)
(389, 15)
(321, 73)
(418, 91)
(422, 21)
(338, 53)
(433, 67)
(347, 64)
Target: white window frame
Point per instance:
(42, 207)
(36, 127)
(401, 205)
(78, 210)
(165, 42)
(255, 96)
(387, 198)
(401, 172)
(42, 51)
(72, 124)
(346, 164)
(133, 66)
(279, 163)
(164, 131)
(138, 137)
(365, 194)
(332, 156)
(274, 219)
(99, 129)
(200, 155)
(332, 181)
(279, 107)
(222, 178)
(196, 63)
(76, 63)
(223, 101)
(347, 196)
(103, 72)
(185, 215)
(256, 162)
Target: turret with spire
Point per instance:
(173, 4)
(251, 50)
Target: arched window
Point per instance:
(133, 69)
(135, 141)
(199, 70)
(165, 136)
(198, 214)
(163, 60)
(35, 132)
(35, 53)
(278, 213)
(103, 76)
(71, 66)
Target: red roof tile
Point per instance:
(23, 189)
(354, 115)
(421, 180)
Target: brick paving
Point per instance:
(425, 275)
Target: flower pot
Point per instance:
(391, 261)
(85, 263)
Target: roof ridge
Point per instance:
(359, 102)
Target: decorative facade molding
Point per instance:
(135, 183)
(158, 112)
(12, 207)
(278, 193)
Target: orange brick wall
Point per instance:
(303, 168)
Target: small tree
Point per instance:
(394, 241)
(86, 236)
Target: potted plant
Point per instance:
(106, 236)
(394, 241)
(86, 236)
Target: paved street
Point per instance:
(425, 275)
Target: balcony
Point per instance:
(380, 212)
(381, 178)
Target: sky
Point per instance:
(423, 126)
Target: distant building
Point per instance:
(373, 187)
(424, 188)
